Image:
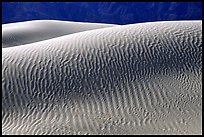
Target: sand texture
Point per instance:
(15, 34)
(143, 78)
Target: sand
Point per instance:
(143, 78)
(21, 33)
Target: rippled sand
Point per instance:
(141, 78)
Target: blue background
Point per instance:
(101, 12)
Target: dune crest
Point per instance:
(15, 34)
(141, 78)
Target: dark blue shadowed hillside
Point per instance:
(101, 12)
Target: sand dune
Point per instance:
(133, 79)
(15, 34)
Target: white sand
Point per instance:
(135, 79)
(15, 34)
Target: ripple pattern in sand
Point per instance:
(134, 79)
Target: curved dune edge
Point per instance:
(15, 34)
(135, 79)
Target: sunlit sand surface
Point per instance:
(143, 78)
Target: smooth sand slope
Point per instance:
(134, 79)
(15, 34)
